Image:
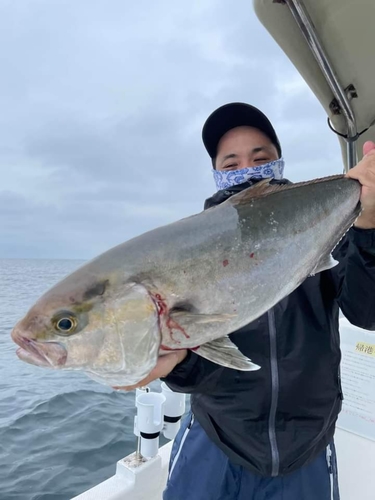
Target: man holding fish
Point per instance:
(237, 306)
(270, 435)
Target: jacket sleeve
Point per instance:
(354, 277)
(194, 375)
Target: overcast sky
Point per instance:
(102, 105)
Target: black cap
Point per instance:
(235, 114)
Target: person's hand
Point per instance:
(163, 367)
(364, 172)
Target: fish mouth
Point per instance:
(46, 354)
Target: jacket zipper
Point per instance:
(330, 470)
(274, 394)
(340, 384)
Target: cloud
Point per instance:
(102, 109)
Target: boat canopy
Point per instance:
(331, 44)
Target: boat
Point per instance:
(330, 43)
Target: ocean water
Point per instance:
(60, 432)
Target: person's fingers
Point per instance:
(367, 147)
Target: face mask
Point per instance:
(272, 170)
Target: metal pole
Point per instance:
(138, 454)
(307, 28)
(351, 154)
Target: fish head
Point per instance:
(108, 330)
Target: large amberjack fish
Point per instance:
(189, 284)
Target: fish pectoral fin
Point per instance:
(223, 352)
(327, 262)
(185, 317)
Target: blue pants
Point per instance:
(199, 470)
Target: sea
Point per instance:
(61, 433)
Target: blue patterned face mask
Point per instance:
(272, 170)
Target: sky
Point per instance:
(102, 106)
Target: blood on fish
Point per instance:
(161, 305)
(251, 255)
(171, 324)
(225, 262)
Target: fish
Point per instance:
(189, 284)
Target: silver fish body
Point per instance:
(189, 284)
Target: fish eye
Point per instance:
(66, 324)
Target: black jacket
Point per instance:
(279, 418)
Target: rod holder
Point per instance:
(174, 408)
(149, 421)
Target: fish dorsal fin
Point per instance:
(260, 189)
(264, 188)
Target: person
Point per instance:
(268, 434)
